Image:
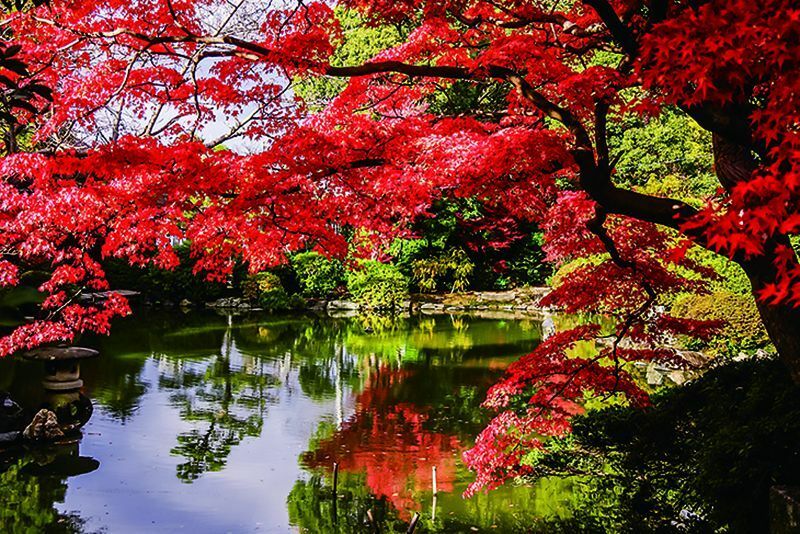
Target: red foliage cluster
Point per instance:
(124, 160)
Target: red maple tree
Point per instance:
(122, 157)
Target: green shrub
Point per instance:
(317, 276)
(377, 285)
(450, 270)
(713, 447)
(265, 290)
(405, 252)
(527, 265)
(669, 155)
(743, 329)
(732, 276)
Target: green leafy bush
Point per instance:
(405, 252)
(732, 276)
(377, 285)
(450, 270)
(317, 276)
(669, 155)
(526, 264)
(266, 290)
(743, 330)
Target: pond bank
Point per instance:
(518, 300)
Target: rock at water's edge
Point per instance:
(44, 427)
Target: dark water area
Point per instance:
(211, 423)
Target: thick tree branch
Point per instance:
(619, 31)
(596, 181)
(255, 51)
(730, 123)
(601, 134)
(546, 106)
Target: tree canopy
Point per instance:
(114, 114)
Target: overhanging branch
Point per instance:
(619, 31)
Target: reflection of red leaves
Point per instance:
(388, 442)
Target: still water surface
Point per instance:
(213, 423)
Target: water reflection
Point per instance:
(233, 423)
(34, 483)
(389, 440)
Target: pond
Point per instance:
(211, 423)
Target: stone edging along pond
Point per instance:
(517, 300)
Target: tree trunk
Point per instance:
(783, 326)
(782, 322)
(734, 163)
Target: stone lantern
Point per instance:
(62, 384)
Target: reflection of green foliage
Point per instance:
(377, 285)
(317, 380)
(207, 450)
(705, 455)
(120, 397)
(318, 276)
(21, 509)
(444, 340)
(324, 431)
(377, 323)
(28, 502)
(311, 507)
(229, 402)
(460, 410)
(546, 507)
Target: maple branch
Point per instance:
(596, 181)
(619, 31)
(726, 121)
(254, 51)
(601, 134)
(546, 106)
(667, 212)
